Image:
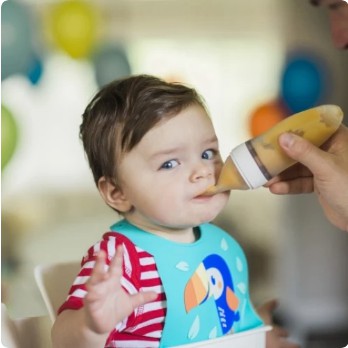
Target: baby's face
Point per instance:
(165, 175)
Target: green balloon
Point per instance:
(9, 136)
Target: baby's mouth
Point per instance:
(209, 191)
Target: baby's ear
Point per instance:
(113, 195)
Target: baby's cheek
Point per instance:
(164, 205)
(218, 168)
(222, 199)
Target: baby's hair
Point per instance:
(122, 112)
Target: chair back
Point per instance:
(26, 332)
(54, 281)
(9, 333)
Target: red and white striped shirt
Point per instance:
(143, 328)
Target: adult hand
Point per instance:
(324, 171)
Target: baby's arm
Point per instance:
(105, 305)
(278, 336)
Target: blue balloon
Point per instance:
(110, 62)
(16, 39)
(303, 83)
(35, 71)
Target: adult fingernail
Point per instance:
(287, 139)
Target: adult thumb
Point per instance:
(301, 150)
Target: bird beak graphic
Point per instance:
(197, 288)
(231, 299)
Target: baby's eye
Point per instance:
(169, 164)
(208, 154)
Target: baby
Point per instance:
(163, 275)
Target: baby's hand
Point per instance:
(277, 337)
(106, 303)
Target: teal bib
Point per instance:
(205, 282)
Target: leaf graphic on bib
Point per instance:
(194, 330)
(239, 264)
(213, 333)
(183, 266)
(242, 288)
(224, 245)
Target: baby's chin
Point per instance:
(209, 217)
(217, 206)
(193, 221)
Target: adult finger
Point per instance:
(298, 170)
(317, 160)
(300, 185)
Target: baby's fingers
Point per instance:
(98, 272)
(115, 268)
(117, 261)
(143, 297)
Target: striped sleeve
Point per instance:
(109, 243)
(144, 327)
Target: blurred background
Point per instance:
(255, 63)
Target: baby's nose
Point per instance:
(202, 171)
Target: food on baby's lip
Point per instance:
(253, 163)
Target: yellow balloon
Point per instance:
(73, 26)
